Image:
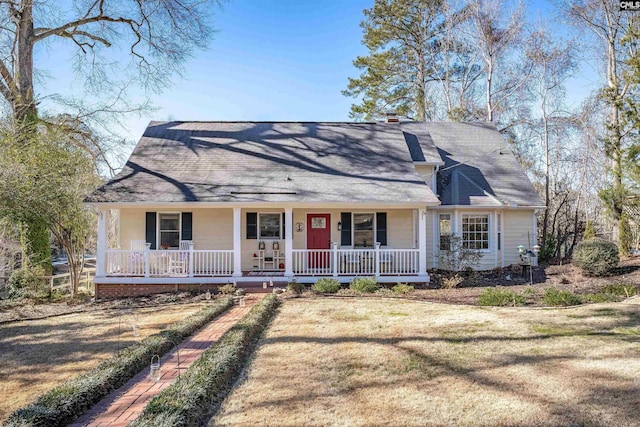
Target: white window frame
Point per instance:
(375, 228)
(159, 231)
(451, 230)
(260, 237)
(477, 214)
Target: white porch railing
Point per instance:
(313, 262)
(168, 263)
(121, 262)
(355, 262)
(212, 263)
(305, 262)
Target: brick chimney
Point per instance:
(392, 117)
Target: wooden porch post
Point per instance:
(101, 247)
(422, 242)
(288, 242)
(237, 242)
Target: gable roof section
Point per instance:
(488, 172)
(268, 162)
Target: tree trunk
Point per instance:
(25, 115)
(489, 82)
(421, 108)
(614, 135)
(24, 107)
(576, 221)
(545, 219)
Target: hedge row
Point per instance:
(66, 402)
(193, 399)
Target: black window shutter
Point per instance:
(381, 228)
(150, 229)
(284, 230)
(252, 225)
(345, 234)
(187, 226)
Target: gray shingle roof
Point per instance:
(488, 169)
(320, 162)
(420, 143)
(268, 162)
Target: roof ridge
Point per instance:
(268, 121)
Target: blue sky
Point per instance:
(273, 60)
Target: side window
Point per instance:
(445, 232)
(269, 225)
(475, 231)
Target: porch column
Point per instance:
(494, 236)
(101, 247)
(435, 227)
(288, 242)
(237, 242)
(422, 242)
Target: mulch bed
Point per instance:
(561, 276)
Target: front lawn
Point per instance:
(40, 354)
(332, 361)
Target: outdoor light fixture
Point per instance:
(264, 285)
(339, 226)
(261, 246)
(135, 326)
(276, 246)
(154, 370)
(527, 256)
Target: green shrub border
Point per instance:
(554, 297)
(494, 297)
(66, 402)
(198, 394)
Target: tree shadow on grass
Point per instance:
(602, 397)
(445, 368)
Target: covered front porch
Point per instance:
(262, 244)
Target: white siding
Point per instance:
(518, 230)
(212, 228)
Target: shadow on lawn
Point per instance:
(581, 412)
(64, 342)
(598, 393)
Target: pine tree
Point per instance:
(625, 237)
(589, 231)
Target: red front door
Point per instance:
(319, 237)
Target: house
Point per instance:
(214, 202)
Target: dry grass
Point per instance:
(37, 355)
(398, 362)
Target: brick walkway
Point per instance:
(125, 404)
